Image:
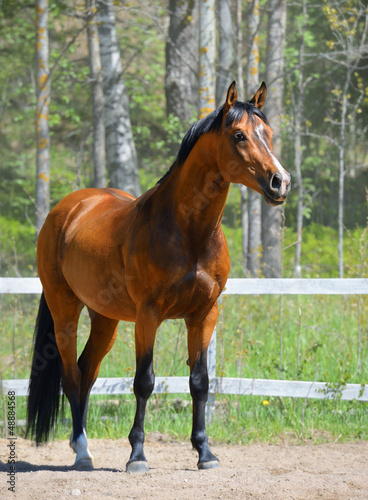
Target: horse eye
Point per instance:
(239, 136)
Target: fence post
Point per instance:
(211, 367)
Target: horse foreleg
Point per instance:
(199, 336)
(144, 381)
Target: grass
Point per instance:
(292, 337)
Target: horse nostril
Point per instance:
(276, 183)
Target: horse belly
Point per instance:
(99, 284)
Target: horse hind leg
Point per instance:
(66, 309)
(199, 336)
(101, 339)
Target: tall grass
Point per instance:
(321, 338)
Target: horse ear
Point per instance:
(232, 96)
(260, 96)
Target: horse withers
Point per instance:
(162, 255)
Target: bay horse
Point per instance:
(162, 255)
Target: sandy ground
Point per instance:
(257, 471)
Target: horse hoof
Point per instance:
(138, 467)
(212, 464)
(84, 464)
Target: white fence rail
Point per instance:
(290, 286)
(239, 386)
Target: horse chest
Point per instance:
(194, 292)
(205, 286)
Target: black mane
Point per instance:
(212, 123)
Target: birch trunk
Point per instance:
(239, 49)
(240, 88)
(98, 146)
(207, 40)
(244, 225)
(121, 154)
(340, 215)
(272, 216)
(182, 59)
(42, 114)
(225, 51)
(298, 150)
(254, 199)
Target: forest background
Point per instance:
(321, 117)
(60, 77)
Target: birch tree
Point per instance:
(98, 145)
(207, 40)
(298, 116)
(254, 199)
(42, 114)
(122, 161)
(181, 59)
(226, 51)
(272, 216)
(240, 88)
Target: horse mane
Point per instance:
(212, 123)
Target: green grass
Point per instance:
(292, 337)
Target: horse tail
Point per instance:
(45, 380)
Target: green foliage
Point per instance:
(142, 42)
(15, 246)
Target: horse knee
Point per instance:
(198, 380)
(144, 379)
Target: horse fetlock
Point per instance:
(206, 459)
(199, 439)
(137, 461)
(80, 447)
(136, 436)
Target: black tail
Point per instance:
(45, 380)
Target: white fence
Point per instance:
(219, 385)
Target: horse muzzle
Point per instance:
(276, 191)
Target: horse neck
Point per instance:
(199, 192)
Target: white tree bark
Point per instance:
(121, 153)
(98, 145)
(207, 44)
(254, 199)
(240, 88)
(239, 49)
(182, 59)
(42, 114)
(272, 216)
(244, 225)
(298, 157)
(225, 51)
(340, 215)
